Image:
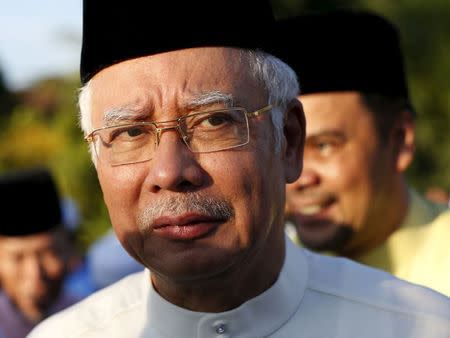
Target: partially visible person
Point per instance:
(352, 198)
(34, 252)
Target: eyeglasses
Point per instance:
(202, 132)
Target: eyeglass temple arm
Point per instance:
(260, 111)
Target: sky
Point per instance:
(38, 39)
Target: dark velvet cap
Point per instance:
(30, 203)
(344, 51)
(114, 31)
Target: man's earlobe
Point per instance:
(294, 134)
(404, 134)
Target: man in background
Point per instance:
(353, 198)
(35, 251)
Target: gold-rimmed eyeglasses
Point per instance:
(202, 132)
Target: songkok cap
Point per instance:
(30, 203)
(114, 31)
(344, 51)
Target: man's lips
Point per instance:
(310, 209)
(185, 227)
(313, 208)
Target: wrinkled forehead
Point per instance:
(176, 80)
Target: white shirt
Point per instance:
(315, 297)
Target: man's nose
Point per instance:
(308, 178)
(32, 269)
(174, 167)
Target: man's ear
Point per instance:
(294, 140)
(403, 135)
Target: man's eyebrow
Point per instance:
(326, 133)
(124, 114)
(210, 98)
(131, 113)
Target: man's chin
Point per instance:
(32, 312)
(39, 305)
(325, 236)
(195, 264)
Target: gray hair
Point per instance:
(277, 78)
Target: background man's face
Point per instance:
(246, 181)
(337, 202)
(31, 271)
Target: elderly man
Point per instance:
(34, 252)
(193, 147)
(352, 198)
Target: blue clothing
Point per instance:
(13, 323)
(108, 261)
(79, 283)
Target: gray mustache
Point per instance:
(182, 204)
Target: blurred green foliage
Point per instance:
(39, 125)
(42, 129)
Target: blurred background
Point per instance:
(40, 43)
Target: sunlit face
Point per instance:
(338, 202)
(31, 271)
(190, 215)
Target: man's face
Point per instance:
(336, 204)
(31, 271)
(241, 189)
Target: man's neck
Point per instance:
(229, 289)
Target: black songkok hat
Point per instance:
(344, 51)
(114, 31)
(30, 203)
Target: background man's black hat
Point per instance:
(114, 31)
(344, 51)
(30, 203)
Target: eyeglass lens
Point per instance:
(202, 132)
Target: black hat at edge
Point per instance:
(344, 51)
(30, 203)
(114, 31)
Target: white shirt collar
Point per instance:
(258, 317)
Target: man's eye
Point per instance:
(324, 148)
(323, 145)
(132, 132)
(128, 133)
(216, 120)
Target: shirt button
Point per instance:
(220, 328)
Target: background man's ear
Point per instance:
(294, 137)
(403, 134)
